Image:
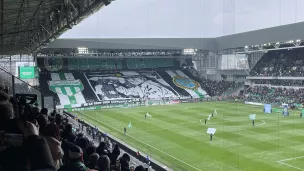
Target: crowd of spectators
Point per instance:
(280, 63)
(33, 139)
(266, 94)
(218, 88)
(298, 83)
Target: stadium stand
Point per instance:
(274, 95)
(280, 63)
(89, 80)
(218, 88)
(281, 84)
(54, 141)
(298, 83)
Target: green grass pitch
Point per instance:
(175, 136)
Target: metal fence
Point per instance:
(14, 85)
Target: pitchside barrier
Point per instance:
(123, 105)
(125, 148)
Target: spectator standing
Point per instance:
(104, 163)
(93, 161)
(52, 136)
(76, 160)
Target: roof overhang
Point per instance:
(258, 37)
(27, 25)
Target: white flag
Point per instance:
(252, 116)
(215, 113)
(149, 115)
(211, 130)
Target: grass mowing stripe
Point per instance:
(150, 146)
(242, 147)
(195, 149)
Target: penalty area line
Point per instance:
(146, 144)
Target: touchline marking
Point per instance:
(290, 165)
(147, 144)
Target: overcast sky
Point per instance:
(186, 18)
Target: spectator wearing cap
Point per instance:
(76, 160)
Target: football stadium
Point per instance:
(105, 85)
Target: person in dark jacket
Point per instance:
(83, 143)
(139, 168)
(76, 160)
(124, 162)
(211, 136)
(104, 163)
(44, 111)
(33, 152)
(91, 150)
(101, 149)
(93, 161)
(68, 133)
(115, 154)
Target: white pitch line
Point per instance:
(291, 158)
(147, 145)
(262, 123)
(256, 125)
(290, 165)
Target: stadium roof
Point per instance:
(268, 35)
(26, 25)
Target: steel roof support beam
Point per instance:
(2, 23)
(67, 22)
(17, 21)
